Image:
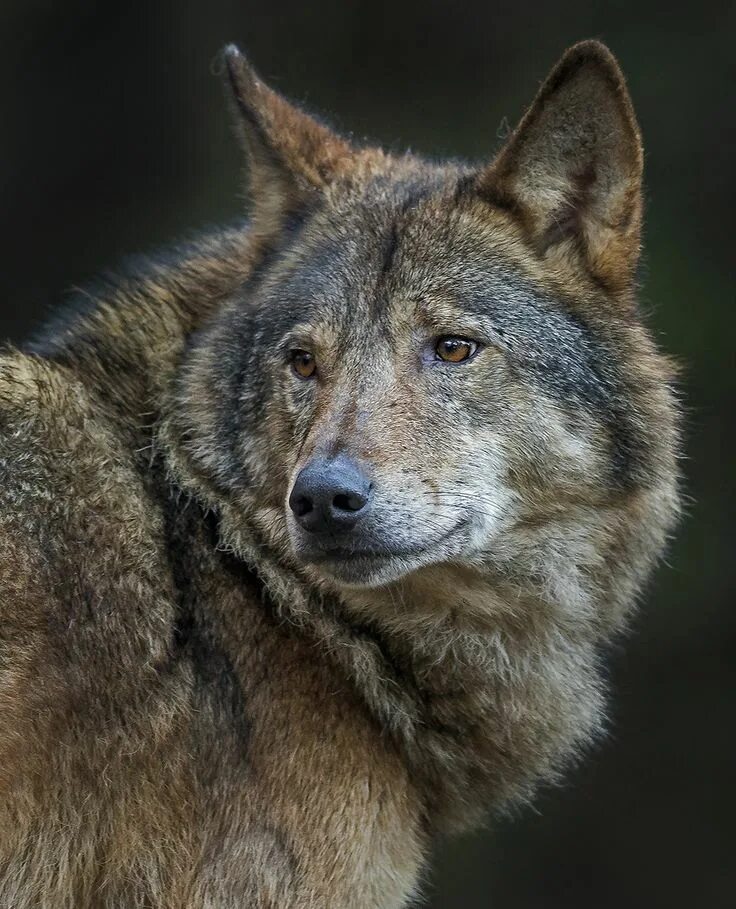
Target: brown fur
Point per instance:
(191, 712)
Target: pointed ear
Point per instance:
(291, 157)
(572, 169)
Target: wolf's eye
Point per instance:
(455, 350)
(303, 363)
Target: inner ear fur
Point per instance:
(572, 170)
(291, 156)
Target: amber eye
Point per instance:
(455, 350)
(303, 363)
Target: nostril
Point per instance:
(330, 495)
(301, 505)
(351, 501)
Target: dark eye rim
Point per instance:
(473, 345)
(294, 354)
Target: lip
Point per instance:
(351, 554)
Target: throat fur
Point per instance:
(483, 710)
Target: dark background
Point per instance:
(114, 139)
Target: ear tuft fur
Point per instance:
(572, 169)
(291, 156)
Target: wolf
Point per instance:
(313, 531)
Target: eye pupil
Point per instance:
(455, 350)
(303, 363)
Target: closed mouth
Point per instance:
(353, 554)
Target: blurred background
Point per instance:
(115, 139)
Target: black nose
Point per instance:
(330, 494)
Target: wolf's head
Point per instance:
(440, 363)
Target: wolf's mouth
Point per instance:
(342, 554)
(375, 564)
(350, 553)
